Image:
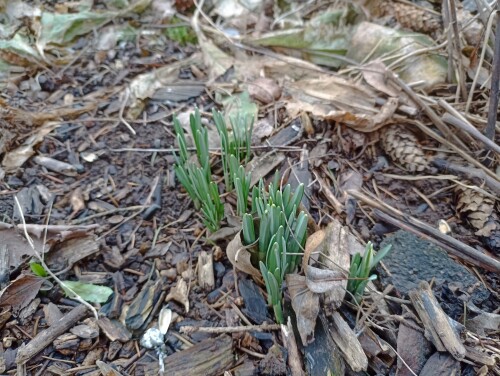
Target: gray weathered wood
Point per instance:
(47, 336)
(436, 323)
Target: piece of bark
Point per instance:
(263, 165)
(323, 355)
(46, 337)
(380, 355)
(67, 344)
(4, 267)
(206, 278)
(293, 353)
(413, 348)
(348, 343)
(52, 313)
(440, 364)
(106, 369)
(114, 330)
(210, 357)
(479, 357)
(437, 325)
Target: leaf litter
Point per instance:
(90, 90)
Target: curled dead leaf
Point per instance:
(323, 280)
(312, 244)
(240, 256)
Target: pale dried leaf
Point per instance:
(322, 280)
(265, 90)
(216, 60)
(350, 180)
(305, 303)
(375, 75)
(333, 98)
(335, 255)
(17, 157)
(312, 243)
(240, 257)
(369, 39)
(76, 200)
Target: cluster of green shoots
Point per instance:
(196, 175)
(276, 233)
(274, 228)
(360, 270)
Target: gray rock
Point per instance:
(412, 260)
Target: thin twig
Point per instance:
(467, 127)
(49, 272)
(230, 329)
(480, 63)
(495, 78)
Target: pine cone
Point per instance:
(414, 18)
(403, 148)
(183, 5)
(479, 210)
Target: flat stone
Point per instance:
(412, 260)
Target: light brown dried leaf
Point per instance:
(240, 257)
(76, 200)
(265, 90)
(334, 98)
(375, 75)
(322, 280)
(336, 256)
(312, 243)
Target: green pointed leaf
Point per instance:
(38, 269)
(88, 292)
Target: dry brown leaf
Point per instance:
(240, 257)
(333, 98)
(21, 292)
(375, 75)
(335, 255)
(216, 60)
(312, 243)
(17, 246)
(265, 90)
(350, 180)
(76, 200)
(305, 303)
(17, 157)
